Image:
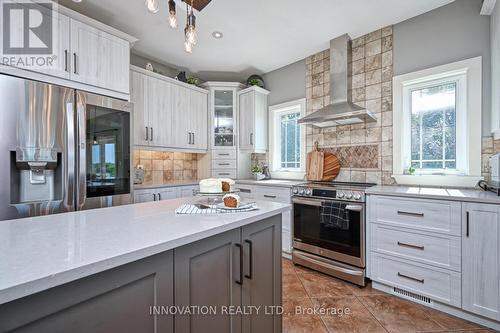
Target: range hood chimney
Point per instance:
(341, 110)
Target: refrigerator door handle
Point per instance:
(69, 157)
(81, 152)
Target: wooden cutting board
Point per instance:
(331, 167)
(315, 163)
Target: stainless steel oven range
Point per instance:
(329, 228)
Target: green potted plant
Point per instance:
(258, 172)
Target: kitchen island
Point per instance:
(134, 268)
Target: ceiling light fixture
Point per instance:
(191, 27)
(153, 6)
(217, 34)
(172, 19)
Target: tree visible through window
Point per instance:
(290, 140)
(433, 127)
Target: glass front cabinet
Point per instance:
(224, 123)
(224, 110)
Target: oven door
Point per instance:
(337, 233)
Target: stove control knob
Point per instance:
(295, 190)
(357, 196)
(348, 195)
(301, 191)
(340, 195)
(309, 192)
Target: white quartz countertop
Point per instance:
(43, 252)
(270, 182)
(456, 194)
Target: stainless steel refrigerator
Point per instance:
(61, 149)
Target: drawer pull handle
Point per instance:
(411, 246)
(224, 174)
(400, 212)
(222, 164)
(411, 278)
(220, 154)
(245, 190)
(269, 196)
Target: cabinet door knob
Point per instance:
(250, 259)
(75, 60)
(66, 69)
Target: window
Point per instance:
(433, 127)
(437, 125)
(287, 143)
(290, 140)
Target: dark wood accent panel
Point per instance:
(117, 300)
(198, 4)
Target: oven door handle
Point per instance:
(316, 203)
(354, 208)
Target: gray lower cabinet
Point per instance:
(207, 274)
(240, 268)
(117, 300)
(262, 275)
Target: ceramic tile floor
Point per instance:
(371, 311)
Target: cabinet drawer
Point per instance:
(273, 194)
(425, 215)
(224, 173)
(442, 251)
(223, 154)
(224, 164)
(438, 284)
(247, 192)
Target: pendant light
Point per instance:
(152, 6)
(191, 27)
(188, 47)
(172, 19)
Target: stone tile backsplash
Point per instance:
(163, 167)
(489, 147)
(365, 150)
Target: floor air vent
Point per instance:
(412, 296)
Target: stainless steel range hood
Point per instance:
(341, 110)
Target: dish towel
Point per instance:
(334, 215)
(192, 209)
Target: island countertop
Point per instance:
(43, 252)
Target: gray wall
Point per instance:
(495, 66)
(163, 69)
(447, 34)
(287, 83)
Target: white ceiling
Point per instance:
(259, 35)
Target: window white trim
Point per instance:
(274, 158)
(468, 75)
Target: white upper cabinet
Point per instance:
(55, 64)
(138, 83)
(168, 113)
(199, 116)
(85, 54)
(99, 58)
(253, 131)
(158, 96)
(481, 259)
(181, 131)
